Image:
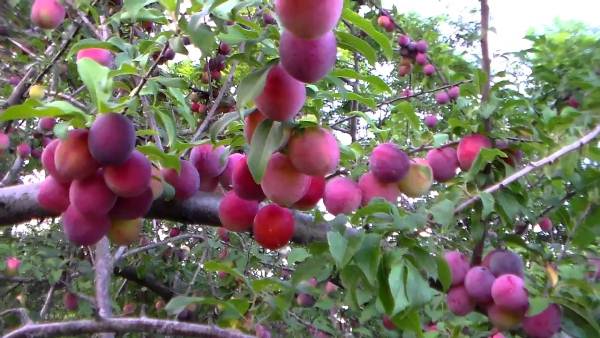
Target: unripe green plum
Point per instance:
(419, 179)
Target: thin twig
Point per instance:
(423, 92)
(145, 78)
(156, 245)
(47, 302)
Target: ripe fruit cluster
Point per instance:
(98, 182)
(497, 288)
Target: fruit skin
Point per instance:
(509, 293)
(313, 195)
(307, 60)
(469, 147)
(209, 161)
(573, 102)
(305, 300)
(419, 179)
(125, 232)
(504, 319)
(243, 183)
(298, 16)
(431, 121)
(156, 183)
(23, 150)
(111, 139)
(209, 184)
(100, 55)
(342, 196)
(282, 96)
(459, 266)
(505, 262)
(46, 123)
(130, 178)
(403, 40)
(314, 151)
(273, 227)
(237, 214)
(385, 22)
(224, 234)
(84, 229)
(72, 159)
(545, 324)
(128, 208)
(92, 196)
(421, 59)
(404, 70)
(388, 163)
(545, 223)
(37, 92)
(442, 97)
(4, 142)
(186, 182)
(478, 283)
(226, 177)
(47, 14)
(459, 301)
(443, 162)
(53, 196)
(251, 122)
(429, 69)
(224, 48)
(371, 188)
(48, 161)
(174, 232)
(454, 92)
(12, 266)
(388, 324)
(421, 46)
(282, 183)
(70, 301)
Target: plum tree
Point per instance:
(23, 150)
(459, 301)
(111, 139)
(46, 123)
(443, 162)
(244, 184)
(185, 182)
(48, 161)
(72, 159)
(314, 151)
(273, 227)
(298, 16)
(371, 187)
(429, 69)
(209, 161)
(53, 195)
(283, 183)
(478, 283)
(47, 14)
(92, 196)
(237, 214)
(282, 96)
(100, 55)
(307, 60)
(509, 293)
(545, 324)
(458, 264)
(418, 180)
(313, 195)
(469, 148)
(341, 196)
(131, 178)
(388, 163)
(430, 121)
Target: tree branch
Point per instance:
(103, 268)
(423, 92)
(12, 175)
(122, 326)
(485, 58)
(156, 245)
(131, 274)
(533, 166)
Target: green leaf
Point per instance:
(155, 154)
(218, 126)
(487, 200)
(537, 305)
(367, 257)
(252, 85)
(169, 5)
(444, 274)
(201, 34)
(374, 81)
(96, 79)
(397, 282)
(167, 121)
(27, 110)
(132, 7)
(408, 112)
(297, 255)
(268, 137)
(92, 43)
(177, 304)
(354, 44)
(417, 289)
(485, 156)
(443, 212)
(367, 27)
(337, 247)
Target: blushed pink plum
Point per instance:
(186, 183)
(443, 162)
(91, 195)
(388, 163)
(130, 178)
(459, 266)
(282, 183)
(244, 184)
(307, 60)
(309, 19)
(53, 196)
(342, 196)
(509, 293)
(459, 301)
(314, 151)
(371, 188)
(282, 96)
(100, 55)
(83, 229)
(237, 214)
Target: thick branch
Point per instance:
(533, 166)
(18, 204)
(124, 325)
(12, 175)
(103, 268)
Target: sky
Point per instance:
(511, 19)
